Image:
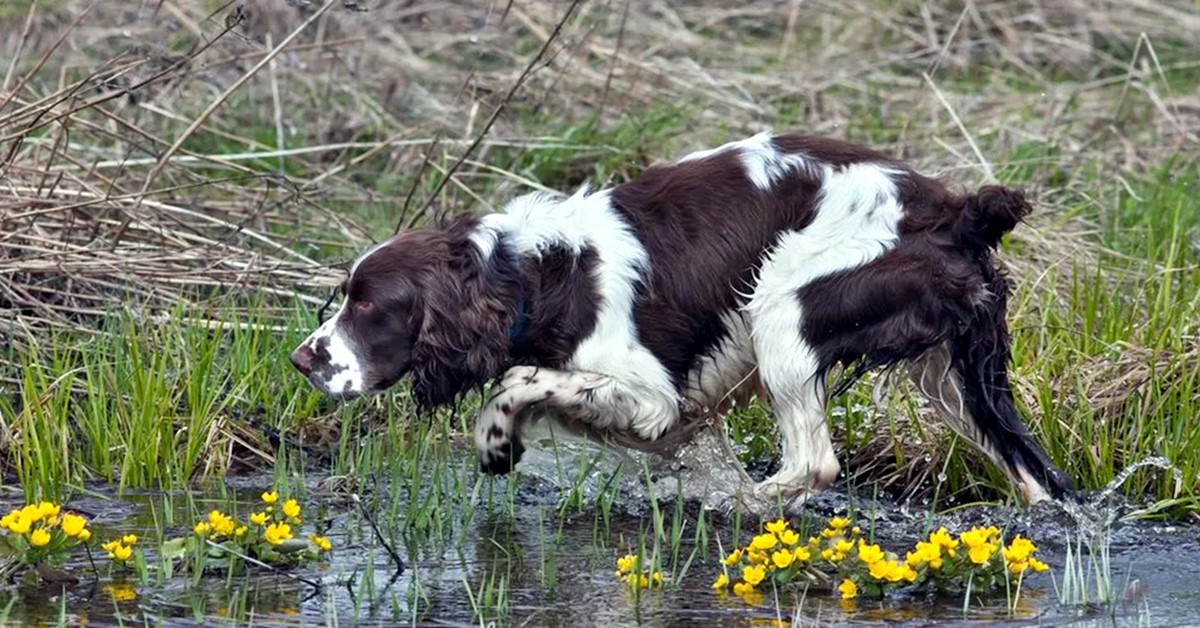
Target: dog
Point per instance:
(636, 313)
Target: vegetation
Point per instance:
(182, 187)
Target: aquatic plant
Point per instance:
(42, 534)
(976, 560)
(631, 571)
(270, 535)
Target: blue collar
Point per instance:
(516, 333)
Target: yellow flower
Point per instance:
(1017, 567)
(291, 508)
(39, 538)
(129, 539)
(788, 537)
(19, 524)
(802, 554)
(869, 554)
(839, 523)
(881, 570)
(221, 523)
(927, 553)
(277, 533)
(756, 558)
(46, 510)
(848, 589)
(753, 574)
(843, 546)
(109, 546)
(625, 563)
(656, 578)
(721, 582)
(855, 530)
(240, 532)
(270, 497)
(743, 588)
(1037, 565)
(733, 558)
(942, 539)
(321, 542)
(829, 533)
(782, 558)
(908, 573)
(73, 524)
(1019, 549)
(84, 535)
(202, 528)
(258, 518)
(121, 553)
(763, 542)
(980, 554)
(777, 526)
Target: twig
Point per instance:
(12, 65)
(378, 535)
(45, 57)
(500, 108)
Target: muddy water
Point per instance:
(551, 568)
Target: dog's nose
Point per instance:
(302, 358)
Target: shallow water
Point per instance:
(557, 569)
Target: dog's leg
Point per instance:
(790, 372)
(602, 402)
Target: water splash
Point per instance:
(1095, 516)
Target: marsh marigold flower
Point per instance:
(626, 563)
(321, 542)
(733, 558)
(270, 497)
(848, 589)
(782, 558)
(72, 524)
(753, 574)
(721, 582)
(258, 518)
(201, 528)
(839, 523)
(788, 537)
(869, 554)
(84, 535)
(39, 538)
(291, 508)
(129, 539)
(277, 533)
(743, 588)
(19, 524)
(777, 526)
(802, 554)
(763, 542)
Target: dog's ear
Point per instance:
(468, 306)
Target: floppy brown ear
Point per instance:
(469, 304)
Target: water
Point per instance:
(553, 565)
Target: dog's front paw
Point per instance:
(501, 456)
(497, 442)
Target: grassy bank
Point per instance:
(157, 264)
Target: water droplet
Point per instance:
(941, 477)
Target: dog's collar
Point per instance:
(516, 332)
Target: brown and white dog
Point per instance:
(635, 314)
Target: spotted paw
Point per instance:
(501, 455)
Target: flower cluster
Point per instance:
(839, 554)
(41, 531)
(628, 573)
(120, 551)
(267, 534)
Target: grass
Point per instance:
(147, 335)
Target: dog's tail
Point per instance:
(979, 354)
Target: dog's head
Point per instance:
(424, 303)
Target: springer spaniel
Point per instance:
(638, 314)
